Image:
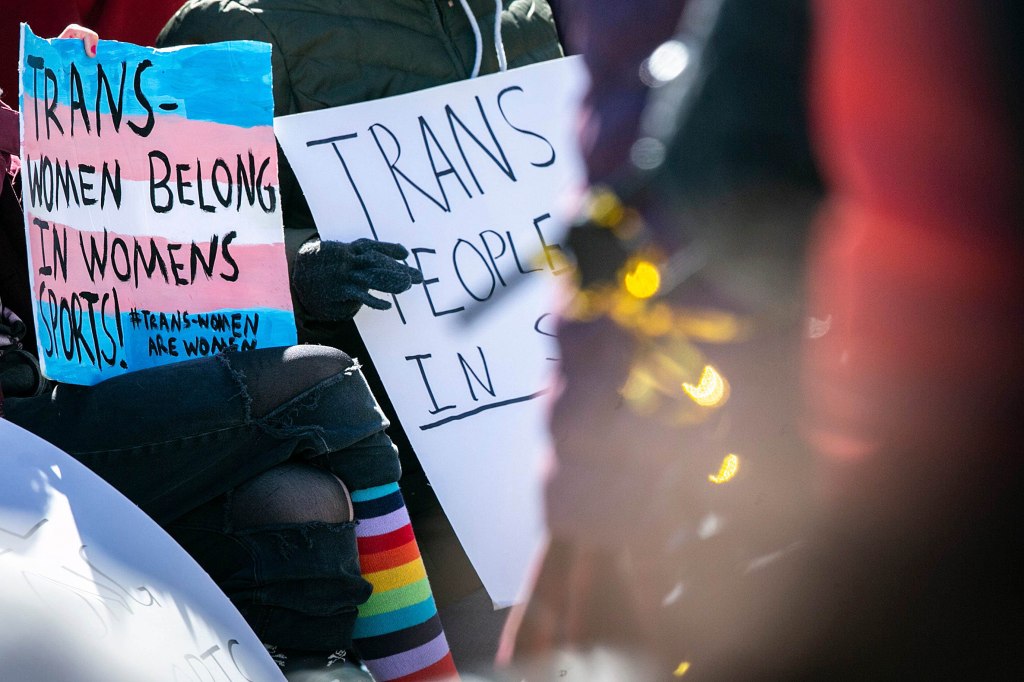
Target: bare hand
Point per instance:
(89, 37)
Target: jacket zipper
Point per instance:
(449, 43)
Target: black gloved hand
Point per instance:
(20, 375)
(12, 330)
(333, 279)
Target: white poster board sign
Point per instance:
(91, 589)
(473, 178)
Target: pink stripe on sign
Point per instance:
(195, 144)
(259, 271)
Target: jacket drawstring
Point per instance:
(499, 45)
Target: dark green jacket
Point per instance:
(333, 52)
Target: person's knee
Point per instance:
(291, 493)
(316, 363)
(298, 369)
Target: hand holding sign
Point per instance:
(88, 37)
(333, 279)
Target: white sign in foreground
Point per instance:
(91, 589)
(473, 178)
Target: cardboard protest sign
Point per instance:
(471, 177)
(92, 589)
(151, 203)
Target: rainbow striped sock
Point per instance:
(398, 633)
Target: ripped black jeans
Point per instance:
(207, 447)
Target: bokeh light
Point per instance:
(643, 280)
(726, 472)
(710, 391)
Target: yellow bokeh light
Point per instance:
(625, 310)
(682, 669)
(656, 322)
(730, 465)
(605, 209)
(644, 280)
(710, 390)
(712, 326)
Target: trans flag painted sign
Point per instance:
(152, 208)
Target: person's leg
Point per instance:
(398, 633)
(174, 437)
(282, 546)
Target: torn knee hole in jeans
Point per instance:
(240, 381)
(304, 397)
(296, 411)
(281, 421)
(287, 546)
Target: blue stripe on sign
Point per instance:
(226, 82)
(275, 328)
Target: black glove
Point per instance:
(12, 330)
(333, 279)
(19, 370)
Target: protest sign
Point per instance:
(92, 589)
(151, 203)
(472, 177)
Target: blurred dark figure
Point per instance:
(913, 388)
(798, 458)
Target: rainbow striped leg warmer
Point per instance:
(398, 633)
